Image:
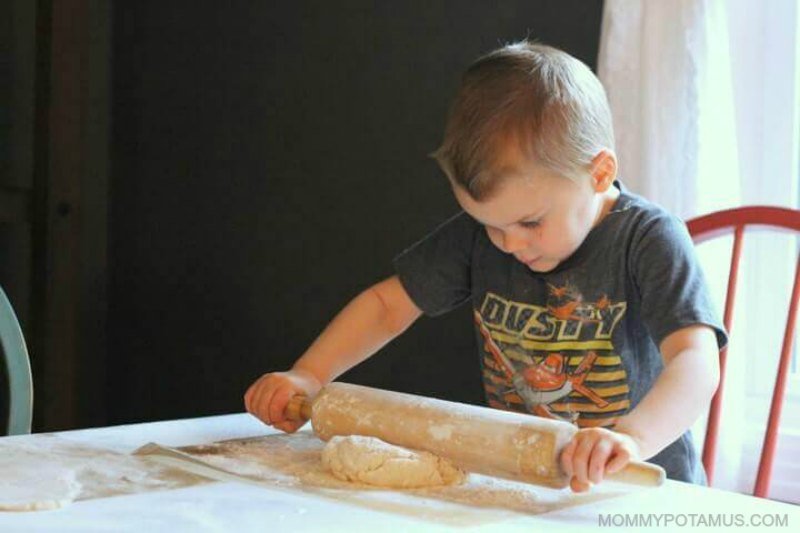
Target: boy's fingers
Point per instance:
(278, 403)
(256, 391)
(262, 403)
(288, 426)
(580, 459)
(597, 462)
(566, 457)
(618, 461)
(578, 486)
(246, 399)
(248, 396)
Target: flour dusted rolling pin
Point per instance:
(478, 439)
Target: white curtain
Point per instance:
(704, 95)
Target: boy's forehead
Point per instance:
(514, 198)
(511, 158)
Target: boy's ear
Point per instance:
(603, 170)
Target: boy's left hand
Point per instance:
(594, 452)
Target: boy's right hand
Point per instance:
(267, 397)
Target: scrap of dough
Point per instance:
(374, 462)
(41, 492)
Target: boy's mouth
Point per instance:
(528, 262)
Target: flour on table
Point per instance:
(294, 462)
(374, 462)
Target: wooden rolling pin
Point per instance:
(478, 439)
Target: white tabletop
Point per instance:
(233, 506)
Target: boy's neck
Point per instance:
(609, 198)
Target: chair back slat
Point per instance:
(771, 436)
(712, 428)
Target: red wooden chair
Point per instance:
(735, 221)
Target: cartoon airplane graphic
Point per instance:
(545, 382)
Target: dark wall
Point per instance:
(17, 96)
(269, 160)
(17, 20)
(54, 150)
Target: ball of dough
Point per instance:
(374, 462)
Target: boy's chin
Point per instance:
(543, 266)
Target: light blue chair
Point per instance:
(18, 370)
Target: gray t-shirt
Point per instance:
(579, 343)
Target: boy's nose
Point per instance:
(513, 243)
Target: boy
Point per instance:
(588, 301)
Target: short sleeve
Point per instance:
(673, 290)
(436, 271)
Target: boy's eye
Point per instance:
(530, 223)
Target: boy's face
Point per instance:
(539, 217)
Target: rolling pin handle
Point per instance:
(298, 408)
(640, 473)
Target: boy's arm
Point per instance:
(680, 394)
(366, 324)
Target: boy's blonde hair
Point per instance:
(538, 96)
